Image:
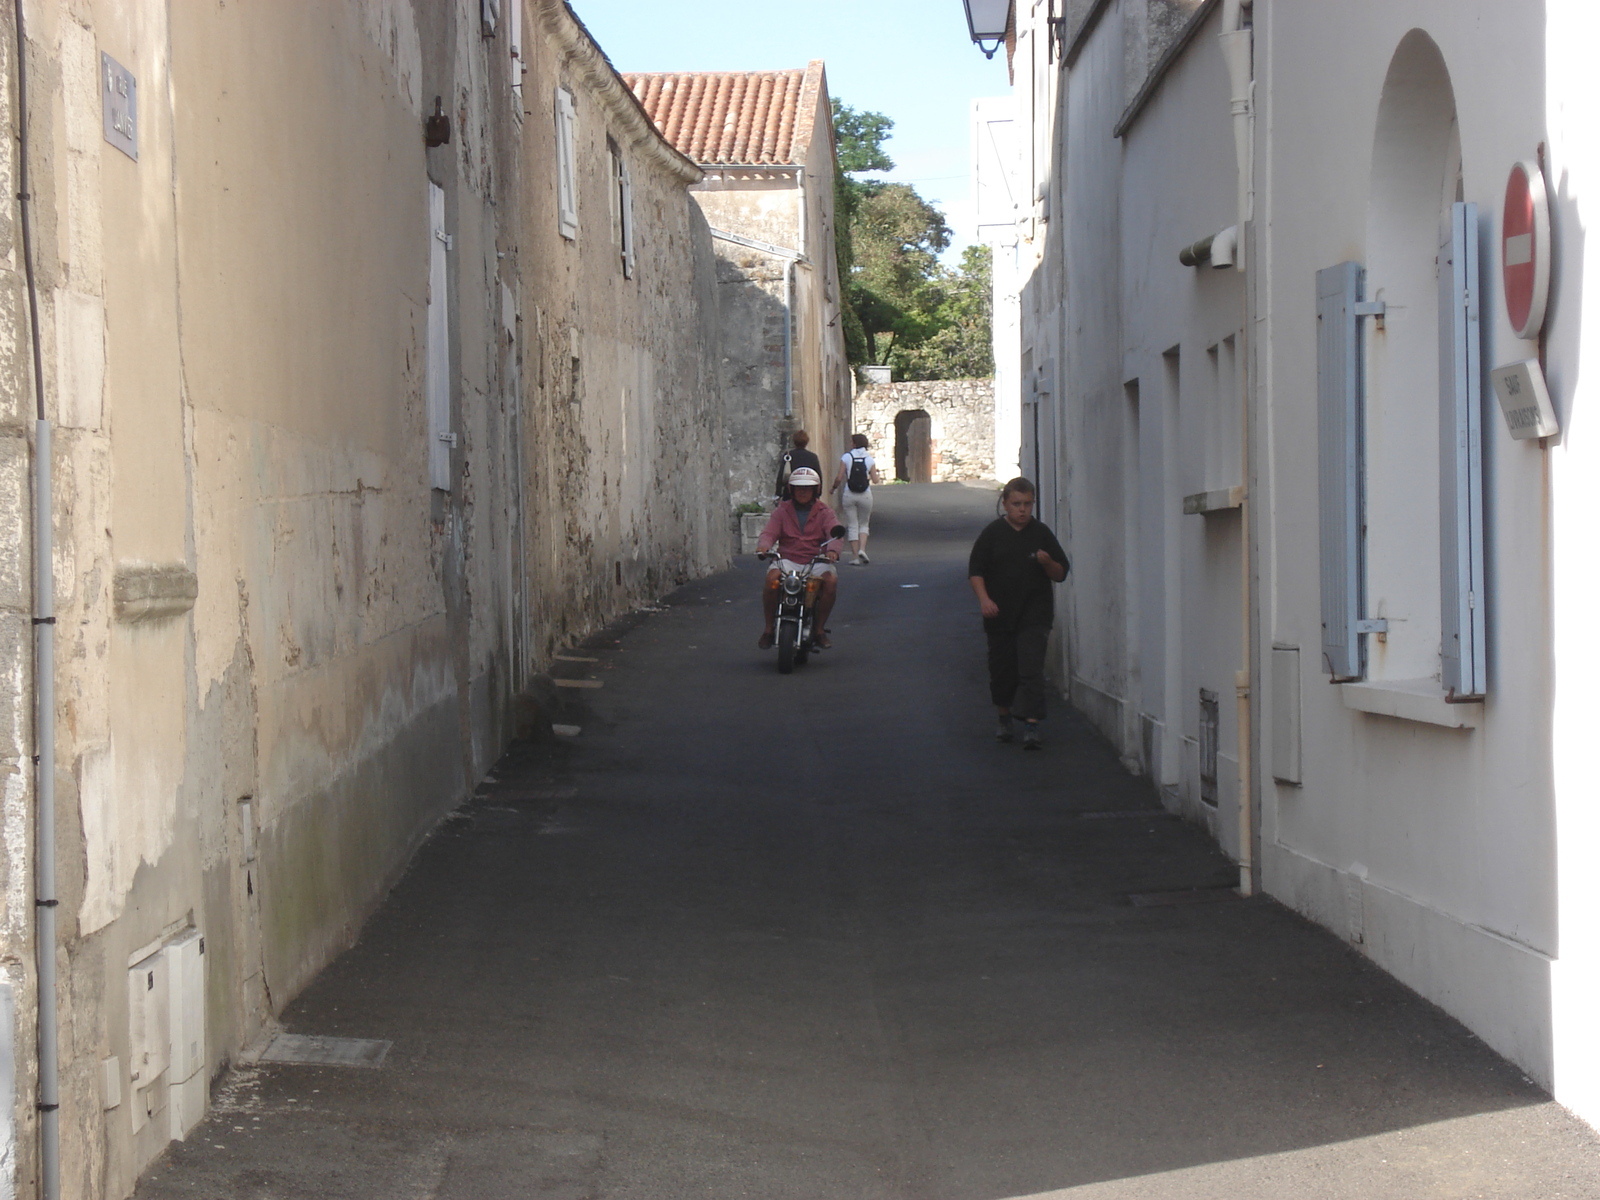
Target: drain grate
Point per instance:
(1206, 895)
(317, 1051)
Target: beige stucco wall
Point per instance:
(234, 342)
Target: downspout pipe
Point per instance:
(788, 338)
(44, 685)
(1237, 51)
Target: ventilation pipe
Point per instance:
(44, 678)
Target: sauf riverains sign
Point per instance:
(1525, 284)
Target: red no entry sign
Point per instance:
(1525, 249)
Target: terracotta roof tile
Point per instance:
(728, 117)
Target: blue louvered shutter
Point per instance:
(1463, 660)
(1339, 465)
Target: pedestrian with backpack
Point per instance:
(858, 471)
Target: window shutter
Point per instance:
(625, 198)
(1339, 453)
(1462, 649)
(440, 438)
(491, 16)
(566, 165)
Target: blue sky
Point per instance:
(910, 59)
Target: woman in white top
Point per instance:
(858, 471)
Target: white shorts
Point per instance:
(857, 513)
(818, 569)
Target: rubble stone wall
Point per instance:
(961, 416)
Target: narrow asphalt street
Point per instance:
(820, 937)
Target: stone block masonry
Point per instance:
(929, 431)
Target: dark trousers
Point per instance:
(1016, 669)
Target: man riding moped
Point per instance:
(801, 528)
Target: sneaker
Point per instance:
(1002, 730)
(862, 559)
(1031, 738)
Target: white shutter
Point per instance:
(625, 199)
(440, 437)
(515, 39)
(1462, 649)
(491, 16)
(566, 165)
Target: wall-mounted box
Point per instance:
(186, 994)
(149, 1044)
(1524, 400)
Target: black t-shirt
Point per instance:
(1004, 557)
(792, 460)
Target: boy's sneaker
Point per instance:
(1002, 730)
(1031, 738)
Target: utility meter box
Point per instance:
(186, 1000)
(149, 1044)
(186, 996)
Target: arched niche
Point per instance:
(1416, 176)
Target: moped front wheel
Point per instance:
(788, 643)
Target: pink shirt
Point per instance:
(783, 530)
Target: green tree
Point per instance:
(859, 136)
(961, 347)
(898, 237)
(901, 305)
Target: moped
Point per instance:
(797, 599)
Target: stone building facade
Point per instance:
(353, 427)
(765, 142)
(929, 431)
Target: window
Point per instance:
(566, 165)
(622, 207)
(1399, 411)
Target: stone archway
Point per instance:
(913, 446)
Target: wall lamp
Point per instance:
(987, 21)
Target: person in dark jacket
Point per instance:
(1012, 568)
(793, 459)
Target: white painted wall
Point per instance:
(1454, 844)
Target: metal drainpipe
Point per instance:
(1237, 46)
(788, 336)
(44, 689)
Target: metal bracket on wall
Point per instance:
(1372, 625)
